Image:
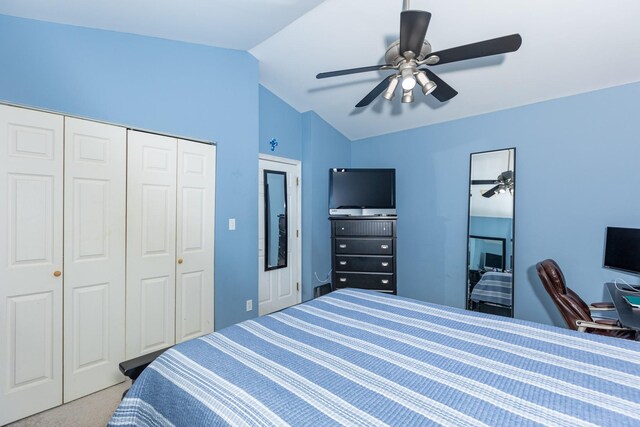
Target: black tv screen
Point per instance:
(622, 249)
(362, 191)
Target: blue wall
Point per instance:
(165, 86)
(280, 121)
(577, 172)
(324, 148)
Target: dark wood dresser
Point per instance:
(363, 253)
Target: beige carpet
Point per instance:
(89, 411)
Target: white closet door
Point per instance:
(94, 256)
(195, 216)
(31, 148)
(151, 243)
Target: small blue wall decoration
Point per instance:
(274, 144)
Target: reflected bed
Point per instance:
(356, 357)
(493, 287)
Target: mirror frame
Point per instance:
(267, 222)
(513, 228)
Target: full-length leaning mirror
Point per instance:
(492, 189)
(275, 218)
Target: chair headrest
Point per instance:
(552, 277)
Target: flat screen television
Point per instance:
(362, 192)
(622, 249)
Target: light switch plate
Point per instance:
(232, 223)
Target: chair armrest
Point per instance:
(132, 368)
(583, 325)
(610, 322)
(595, 306)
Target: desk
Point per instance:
(629, 317)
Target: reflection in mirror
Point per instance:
(275, 217)
(490, 232)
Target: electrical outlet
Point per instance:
(249, 304)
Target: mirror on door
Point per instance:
(490, 232)
(275, 219)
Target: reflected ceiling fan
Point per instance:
(410, 55)
(505, 182)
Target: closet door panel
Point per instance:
(151, 242)
(94, 285)
(195, 219)
(31, 180)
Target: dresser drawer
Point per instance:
(363, 228)
(377, 264)
(364, 246)
(377, 282)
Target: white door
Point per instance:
(31, 149)
(194, 239)
(280, 288)
(94, 256)
(151, 243)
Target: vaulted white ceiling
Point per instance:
(569, 47)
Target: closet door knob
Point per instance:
(57, 273)
(180, 260)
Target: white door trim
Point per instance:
(298, 165)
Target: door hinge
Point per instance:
(298, 286)
(297, 233)
(297, 181)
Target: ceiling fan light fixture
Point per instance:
(407, 96)
(427, 85)
(408, 79)
(390, 91)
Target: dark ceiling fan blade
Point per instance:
(413, 29)
(443, 92)
(375, 92)
(483, 181)
(491, 192)
(353, 71)
(477, 50)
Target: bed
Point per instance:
(361, 358)
(493, 287)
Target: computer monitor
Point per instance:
(492, 261)
(622, 249)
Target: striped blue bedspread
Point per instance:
(493, 287)
(361, 358)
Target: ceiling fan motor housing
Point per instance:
(393, 56)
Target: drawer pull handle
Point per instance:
(343, 262)
(384, 281)
(385, 264)
(384, 246)
(343, 279)
(343, 246)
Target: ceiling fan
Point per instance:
(410, 55)
(505, 182)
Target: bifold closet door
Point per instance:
(194, 240)
(151, 243)
(31, 183)
(94, 256)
